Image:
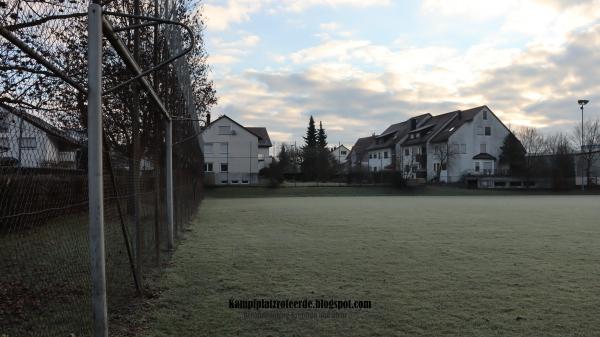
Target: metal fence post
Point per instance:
(169, 180)
(95, 186)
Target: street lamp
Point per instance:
(581, 103)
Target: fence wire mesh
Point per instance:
(45, 254)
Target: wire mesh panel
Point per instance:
(44, 225)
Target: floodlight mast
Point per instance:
(581, 103)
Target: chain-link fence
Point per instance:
(153, 97)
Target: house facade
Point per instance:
(340, 153)
(358, 157)
(453, 145)
(29, 141)
(446, 147)
(234, 154)
(383, 153)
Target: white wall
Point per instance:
(410, 160)
(238, 149)
(340, 154)
(44, 152)
(377, 160)
(461, 164)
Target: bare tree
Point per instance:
(535, 146)
(444, 153)
(587, 144)
(561, 163)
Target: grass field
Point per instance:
(494, 265)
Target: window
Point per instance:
(208, 148)
(385, 154)
(476, 166)
(208, 167)
(225, 130)
(245, 181)
(463, 148)
(485, 114)
(261, 157)
(224, 167)
(224, 148)
(378, 155)
(343, 153)
(487, 167)
(488, 131)
(482, 148)
(455, 148)
(436, 149)
(4, 122)
(406, 168)
(235, 181)
(370, 156)
(4, 144)
(223, 181)
(28, 142)
(407, 152)
(479, 131)
(374, 168)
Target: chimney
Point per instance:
(207, 118)
(413, 123)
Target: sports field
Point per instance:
(430, 265)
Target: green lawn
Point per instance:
(491, 265)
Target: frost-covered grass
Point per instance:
(432, 266)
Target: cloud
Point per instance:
(224, 52)
(235, 11)
(220, 16)
(536, 86)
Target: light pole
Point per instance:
(581, 103)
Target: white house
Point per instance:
(234, 154)
(340, 153)
(29, 141)
(455, 144)
(382, 153)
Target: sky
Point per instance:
(361, 65)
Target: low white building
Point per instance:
(29, 141)
(234, 154)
